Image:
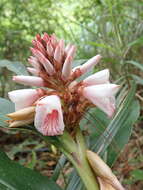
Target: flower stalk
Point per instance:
(76, 154)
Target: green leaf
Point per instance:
(59, 167)
(3, 187)
(16, 177)
(137, 79)
(124, 133)
(136, 64)
(5, 107)
(138, 41)
(74, 182)
(137, 174)
(116, 124)
(15, 67)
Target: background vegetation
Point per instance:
(109, 27)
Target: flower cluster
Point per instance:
(59, 101)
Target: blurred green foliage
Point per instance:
(109, 27)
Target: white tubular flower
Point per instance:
(100, 77)
(23, 98)
(102, 96)
(49, 116)
(29, 80)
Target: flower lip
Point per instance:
(49, 116)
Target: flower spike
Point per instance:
(53, 73)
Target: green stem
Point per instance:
(76, 153)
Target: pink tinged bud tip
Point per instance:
(67, 48)
(44, 61)
(100, 77)
(34, 62)
(33, 71)
(50, 49)
(53, 40)
(46, 37)
(102, 96)
(23, 98)
(49, 116)
(58, 54)
(67, 67)
(90, 64)
(40, 47)
(62, 45)
(29, 80)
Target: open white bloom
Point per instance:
(23, 98)
(100, 77)
(49, 116)
(102, 96)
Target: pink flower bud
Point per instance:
(46, 37)
(23, 98)
(34, 62)
(53, 40)
(49, 116)
(50, 49)
(29, 80)
(71, 52)
(87, 66)
(44, 61)
(90, 64)
(67, 48)
(100, 77)
(33, 71)
(58, 54)
(66, 71)
(67, 67)
(62, 45)
(102, 96)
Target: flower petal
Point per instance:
(102, 96)
(100, 77)
(49, 116)
(23, 98)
